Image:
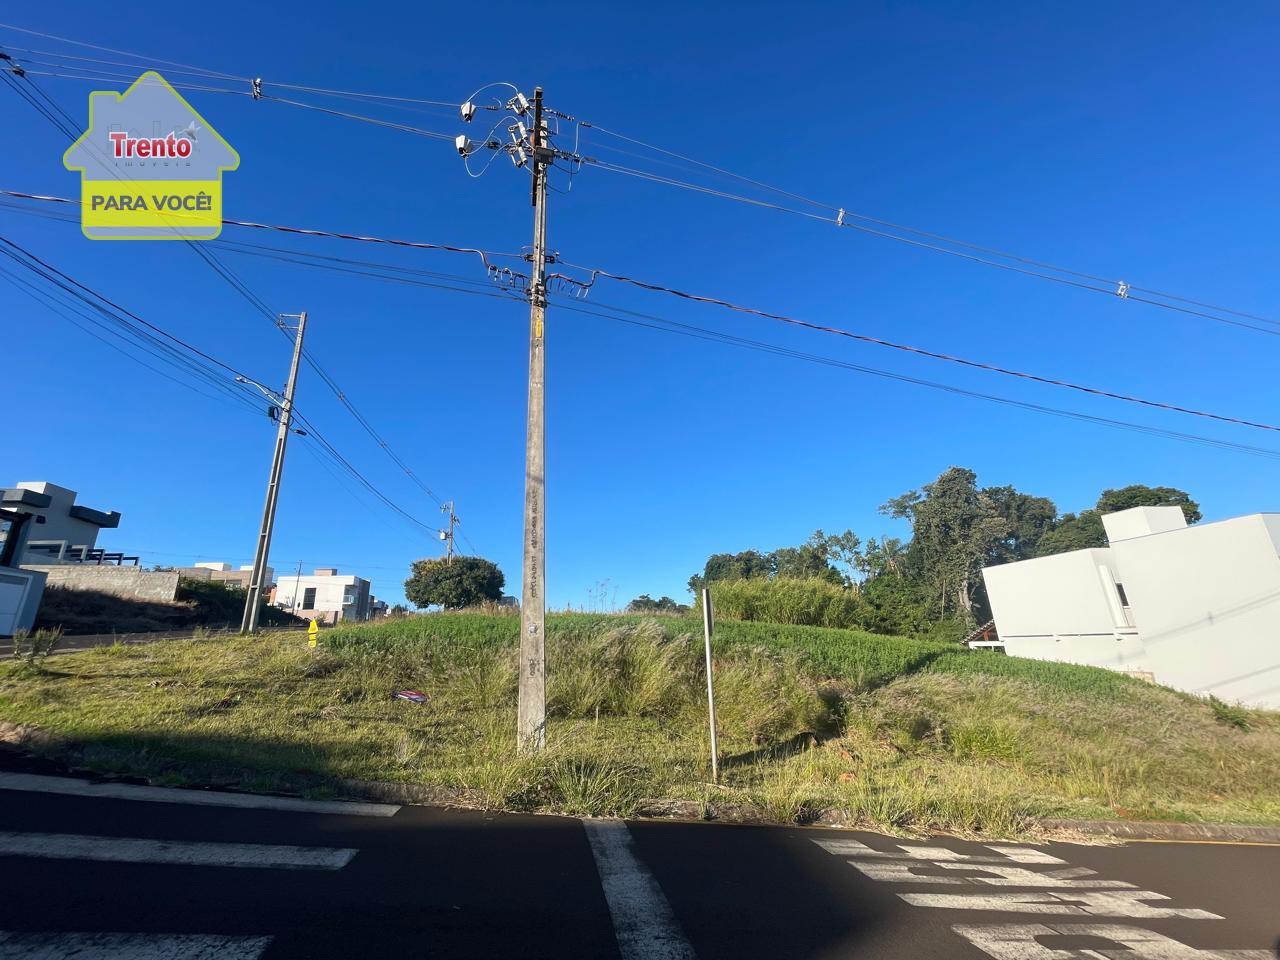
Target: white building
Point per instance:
(1196, 608)
(68, 532)
(324, 595)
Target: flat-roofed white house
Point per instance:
(325, 595)
(1191, 607)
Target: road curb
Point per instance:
(34, 740)
(1157, 830)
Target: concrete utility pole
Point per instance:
(531, 721)
(252, 601)
(447, 536)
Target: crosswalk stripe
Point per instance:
(207, 798)
(1081, 903)
(643, 923)
(70, 846)
(129, 946)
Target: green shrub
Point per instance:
(1231, 714)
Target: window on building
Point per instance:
(309, 598)
(1124, 599)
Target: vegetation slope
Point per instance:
(906, 734)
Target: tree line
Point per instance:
(957, 528)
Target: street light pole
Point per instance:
(254, 599)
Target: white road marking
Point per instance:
(208, 798)
(1023, 854)
(1018, 942)
(1005, 876)
(128, 946)
(643, 923)
(69, 846)
(1004, 854)
(1086, 903)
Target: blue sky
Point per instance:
(1132, 140)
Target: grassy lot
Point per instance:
(909, 735)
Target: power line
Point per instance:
(844, 217)
(89, 292)
(257, 302)
(484, 255)
(646, 285)
(663, 325)
(328, 447)
(123, 53)
(402, 127)
(368, 427)
(838, 215)
(920, 351)
(66, 311)
(356, 474)
(186, 69)
(148, 552)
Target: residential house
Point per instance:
(1192, 607)
(324, 595)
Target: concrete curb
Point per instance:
(39, 742)
(1157, 830)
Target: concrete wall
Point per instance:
(1065, 607)
(1208, 606)
(132, 582)
(1059, 595)
(1205, 602)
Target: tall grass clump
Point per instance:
(812, 603)
(627, 670)
(762, 696)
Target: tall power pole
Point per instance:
(254, 599)
(447, 535)
(531, 720)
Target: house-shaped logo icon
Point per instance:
(150, 166)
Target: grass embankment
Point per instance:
(906, 734)
(199, 603)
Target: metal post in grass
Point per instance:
(711, 696)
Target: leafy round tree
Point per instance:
(462, 583)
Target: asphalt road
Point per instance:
(114, 871)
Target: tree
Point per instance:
(646, 604)
(1027, 518)
(463, 582)
(1073, 531)
(805, 562)
(1140, 495)
(1083, 530)
(843, 548)
(955, 526)
(886, 555)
